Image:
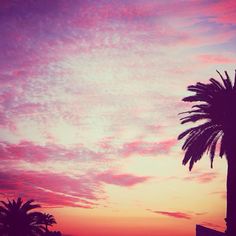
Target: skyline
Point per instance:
(90, 94)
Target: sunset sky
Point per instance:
(90, 92)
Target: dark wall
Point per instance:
(203, 231)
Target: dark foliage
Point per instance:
(217, 109)
(19, 219)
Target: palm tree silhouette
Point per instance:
(16, 218)
(47, 220)
(217, 108)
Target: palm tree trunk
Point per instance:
(231, 197)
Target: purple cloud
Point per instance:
(54, 190)
(175, 214)
(202, 177)
(126, 180)
(147, 148)
(216, 59)
(31, 152)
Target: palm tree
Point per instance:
(16, 218)
(47, 220)
(217, 111)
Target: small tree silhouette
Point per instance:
(217, 108)
(17, 219)
(47, 220)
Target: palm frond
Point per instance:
(197, 98)
(194, 118)
(216, 84)
(28, 206)
(19, 202)
(212, 147)
(5, 204)
(214, 110)
(227, 81)
(197, 144)
(195, 129)
(222, 146)
(235, 80)
(3, 210)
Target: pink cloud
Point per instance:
(215, 11)
(3, 119)
(134, 16)
(24, 151)
(223, 12)
(52, 189)
(201, 177)
(7, 99)
(126, 180)
(147, 148)
(175, 214)
(28, 108)
(58, 190)
(216, 59)
(139, 12)
(29, 151)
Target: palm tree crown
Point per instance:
(47, 220)
(217, 109)
(16, 218)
